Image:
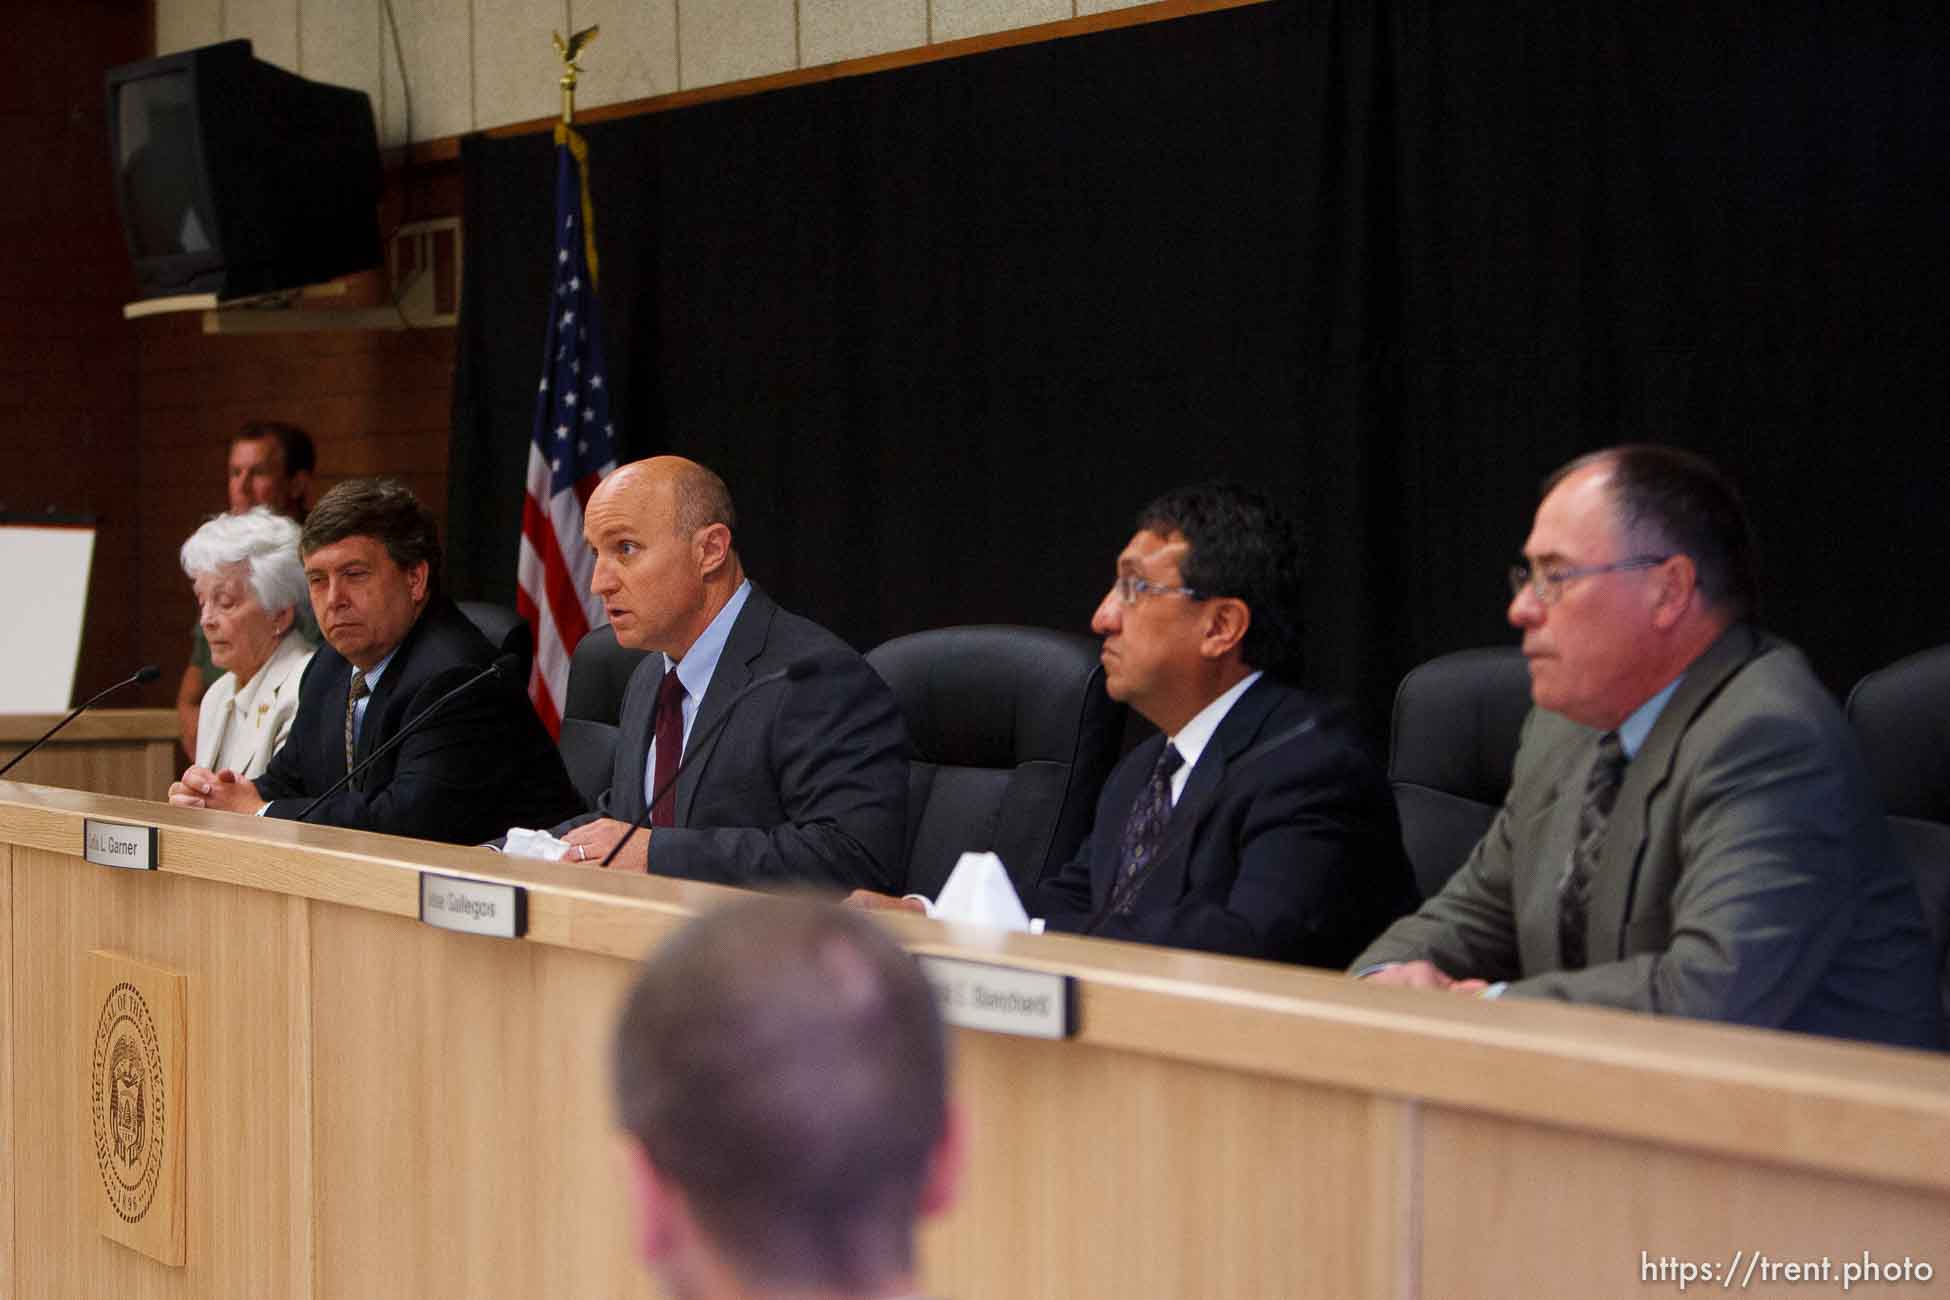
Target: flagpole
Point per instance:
(570, 51)
(572, 442)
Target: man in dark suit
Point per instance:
(1689, 829)
(805, 782)
(1256, 824)
(395, 645)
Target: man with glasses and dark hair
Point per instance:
(1256, 824)
(1689, 829)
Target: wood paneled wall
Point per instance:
(68, 416)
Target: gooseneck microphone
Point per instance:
(146, 673)
(1123, 893)
(505, 666)
(797, 670)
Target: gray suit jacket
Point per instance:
(805, 784)
(1747, 873)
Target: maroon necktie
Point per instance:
(670, 748)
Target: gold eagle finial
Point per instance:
(570, 51)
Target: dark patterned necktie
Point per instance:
(356, 692)
(1145, 830)
(1574, 896)
(670, 748)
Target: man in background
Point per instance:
(271, 464)
(781, 1074)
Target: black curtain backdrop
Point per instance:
(944, 329)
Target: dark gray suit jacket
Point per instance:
(1747, 873)
(805, 784)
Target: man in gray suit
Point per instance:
(788, 752)
(1689, 829)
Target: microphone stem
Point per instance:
(86, 704)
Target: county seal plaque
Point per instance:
(135, 1045)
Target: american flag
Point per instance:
(572, 447)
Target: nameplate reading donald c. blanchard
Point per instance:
(474, 906)
(113, 844)
(1002, 999)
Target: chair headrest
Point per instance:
(599, 675)
(1457, 722)
(1901, 716)
(992, 695)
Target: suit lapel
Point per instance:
(636, 729)
(1236, 733)
(1647, 774)
(382, 694)
(745, 644)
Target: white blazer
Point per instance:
(241, 731)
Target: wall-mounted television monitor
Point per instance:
(238, 178)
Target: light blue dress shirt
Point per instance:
(695, 670)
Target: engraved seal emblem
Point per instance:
(127, 1102)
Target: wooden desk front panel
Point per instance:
(129, 752)
(376, 1108)
(247, 1141)
(1525, 1210)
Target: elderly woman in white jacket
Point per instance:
(256, 613)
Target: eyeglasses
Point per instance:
(1548, 584)
(1129, 587)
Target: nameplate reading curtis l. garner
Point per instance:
(474, 906)
(113, 844)
(1002, 999)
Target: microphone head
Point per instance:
(800, 669)
(147, 673)
(507, 667)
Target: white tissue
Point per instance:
(535, 844)
(978, 892)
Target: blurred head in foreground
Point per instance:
(781, 1072)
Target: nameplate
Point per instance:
(113, 844)
(1002, 999)
(474, 906)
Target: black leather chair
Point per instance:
(1450, 753)
(506, 630)
(1010, 738)
(599, 673)
(1901, 716)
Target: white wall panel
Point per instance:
(832, 30)
(636, 56)
(516, 68)
(728, 40)
(438, 39)
(955, 19)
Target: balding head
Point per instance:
(782, 1067)
(661, 530)
(681, 492)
